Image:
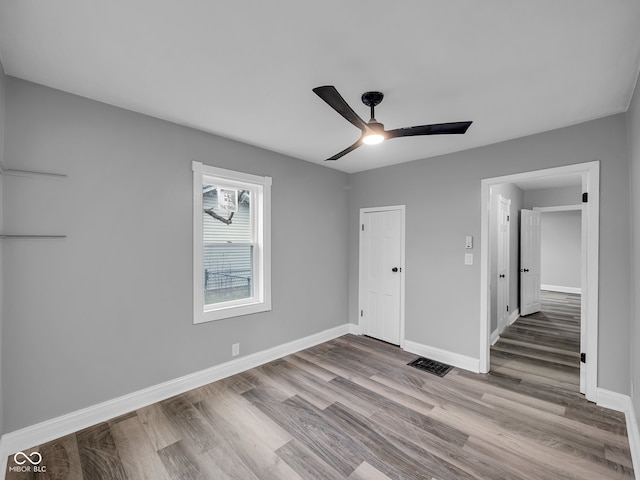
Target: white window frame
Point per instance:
(261, 221)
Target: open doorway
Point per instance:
(585, 177)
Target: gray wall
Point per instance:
(108, 310)
(3, 80)
(633, 117)
(442, 197)
(516, 196)
(561, 247)
(553, 197)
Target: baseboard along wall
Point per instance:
(623, 403)
(495, 335)
(561, 289)
(444, 356)
(60, 426)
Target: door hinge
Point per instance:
(361, 313)
(585, 197)
(507, 308)
(507, 218)
(363, 227)
(583, 357)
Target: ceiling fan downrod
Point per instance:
(371, 99)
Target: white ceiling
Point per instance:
(244, 69)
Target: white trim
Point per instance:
(590, 172)
(634, 438)
(485, 272)
(231, 175)
(444, 356)
(613, 400)
(514, 316)
(361, 292)
(261, 302)
(495, 335)
(561, 289)
(72, 422)
(559, 208)
(502, 325)
(623, 403)
(500, 199)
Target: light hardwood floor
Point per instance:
(352, 409)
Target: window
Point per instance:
(231, 243)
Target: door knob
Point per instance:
(526, 269)
(394, 269)
(502, 276)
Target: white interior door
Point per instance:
(502, 262)
(529, 261)
(381, 274)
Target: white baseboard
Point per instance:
(60, 426)
(495, 336)
(623, 403)
(444, 356)
(513, 316)
(634, 439)
(561, 289)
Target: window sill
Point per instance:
(230, 312)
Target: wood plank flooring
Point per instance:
(543, 347)
(352, 409)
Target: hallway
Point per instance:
(543, 347)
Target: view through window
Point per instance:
(231, 243)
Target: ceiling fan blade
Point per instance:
(345, 151)
(435, 129)
(329, 94)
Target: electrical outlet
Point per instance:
(235, 349)
(468, 258)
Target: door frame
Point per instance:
(590, 174)
(583, 233)
(507, 283)
(361, 292)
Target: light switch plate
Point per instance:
(468, 241)
(468, 258)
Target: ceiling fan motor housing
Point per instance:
(371, 99)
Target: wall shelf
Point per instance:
(27, 173)
(9, 172)
(32, 236)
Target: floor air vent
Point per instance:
(431, 366)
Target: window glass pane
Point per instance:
(226, 215)
(228, 273)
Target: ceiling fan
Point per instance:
(373, 131)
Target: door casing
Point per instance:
(361, 292)
(590, 174)
(502, 260)
(583, 327)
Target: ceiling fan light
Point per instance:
(373, 139)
